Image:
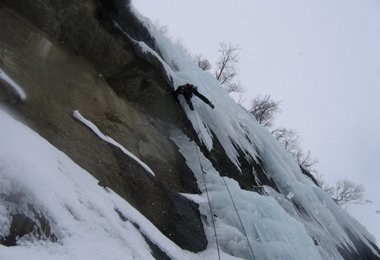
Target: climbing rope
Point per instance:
(241, 222)
(233, 202)
(203, 175)
(208, 197)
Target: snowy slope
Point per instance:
(82, 215)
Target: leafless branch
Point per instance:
(225, 71)
(228, 57)
(264, 109)
(288, 137)
(305, 160)
(345, 191)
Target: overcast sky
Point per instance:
(321, 57)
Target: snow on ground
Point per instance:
(19, 91)
(95, 129)
(81, 214)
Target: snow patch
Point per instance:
(108, 139)
(19, 91)
(194, 197)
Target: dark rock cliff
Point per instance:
(67, 60)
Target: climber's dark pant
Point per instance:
(188, 101)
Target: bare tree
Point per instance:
(320, 180)
(288, 137)
(202, 62)
(264, 109)
(225, 72)
(305, 160)
(346, 191)
(228, 57)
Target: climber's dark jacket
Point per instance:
(187, 91)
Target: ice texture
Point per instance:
(323, 220)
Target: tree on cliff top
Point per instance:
(225, 71)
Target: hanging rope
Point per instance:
(241, 222)
(233, 202)
(208, 197)
(204, 179)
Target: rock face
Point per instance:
(70, 55)
(45, 46)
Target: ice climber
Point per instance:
(187, 91)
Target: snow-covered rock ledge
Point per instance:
(95, 129)
(13, 85)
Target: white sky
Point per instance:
(321, 57)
